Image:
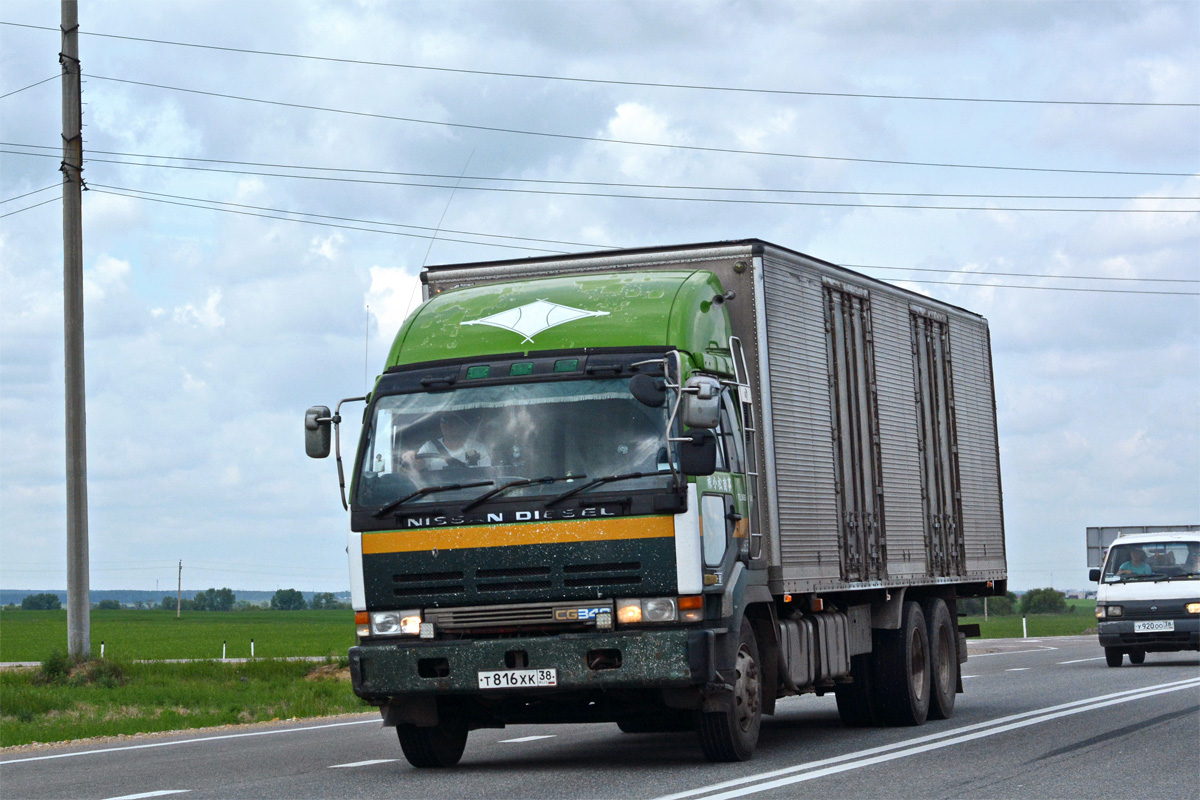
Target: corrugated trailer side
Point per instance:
(811, 502)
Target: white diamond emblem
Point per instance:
(533, 318)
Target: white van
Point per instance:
(1148, 600)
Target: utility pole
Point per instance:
(179, 591)
(79, 625)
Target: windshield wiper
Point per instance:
(607, 479)
(483, 498)
(428, 490)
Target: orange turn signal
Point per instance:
(360, 618)
(691, 601)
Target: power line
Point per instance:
(30, 86)
(559, 182)
(314, 222)
(351, 219)
(29, 208)
(614, 82)
(35, 191)
(105, 190)
(1054, 288)
(1023, 274)
(604, 140)
(619, 196)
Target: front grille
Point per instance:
(523, 615)
(446, 585)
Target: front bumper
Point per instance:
(648, 659)
(1186, 636)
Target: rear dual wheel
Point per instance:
(943, 657)
(902, 670)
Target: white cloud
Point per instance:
(203, 316)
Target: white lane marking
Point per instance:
(964, 677)
(1013, 652)
(1081, 660)
(364, 763)
(159, 793)
(527, 738)
(1017, 669)
(922, 744)
(189, 741)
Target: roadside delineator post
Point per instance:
(252, 648)
(222, 651)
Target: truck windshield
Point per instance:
(1146, 561)
(550, 434)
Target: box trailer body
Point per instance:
(852, 493)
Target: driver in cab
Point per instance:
(456, 447)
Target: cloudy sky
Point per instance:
(262, 198)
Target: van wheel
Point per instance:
(1137, 656)
(902, 670)
(732, 733)
(1114, 656)
(432, 747)
(943, 658)
(854, 702)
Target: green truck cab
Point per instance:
(559, 513)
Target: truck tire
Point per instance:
(1137, 656)
(943, 658)
(855, 703)
(432, 747)
(902, 670)
(1114, 656)
(732, 733)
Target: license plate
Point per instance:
(1154, 626)
(517, 678)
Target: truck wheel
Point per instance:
(1114, 656)
(902, 670)
(432, 747)
(943, 658)
(1137, 656)
(732, 734)
(854, 702)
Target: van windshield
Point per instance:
(1152, 561)
(534, 439)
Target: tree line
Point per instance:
(1035, 601)
(211, 599)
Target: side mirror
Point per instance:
(1094, 576)
(698, 456)
(647, 390)
(701, 402)
(317, 431)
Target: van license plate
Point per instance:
(1153, 626)
(517, 678)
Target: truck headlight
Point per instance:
(1193, 608)
(1114, 611)
(634, 610)
(396, 623)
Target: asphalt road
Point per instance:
(1039, 719)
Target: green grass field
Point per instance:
(167, 697)
(130, 635)
(1081, 620)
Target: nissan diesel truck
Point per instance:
(665, 488)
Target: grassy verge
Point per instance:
(62, 701)
(1081, 620)
(130, 635)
